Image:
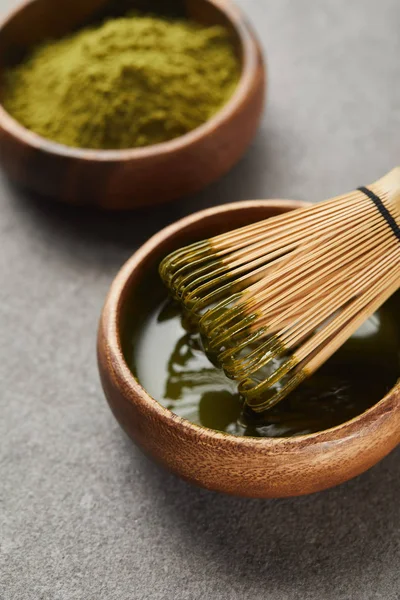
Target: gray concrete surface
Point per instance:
(83, 515)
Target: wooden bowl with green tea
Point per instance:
(185, 414)
(104, 104)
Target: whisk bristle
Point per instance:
(274, 300)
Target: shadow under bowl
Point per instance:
(243, 466)
(124, 179)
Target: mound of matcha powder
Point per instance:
(129, 82)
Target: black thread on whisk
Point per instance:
(383, 210)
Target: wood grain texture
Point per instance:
(251, 467)
(123, 179)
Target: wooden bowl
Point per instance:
(121, 179)
(244, 466)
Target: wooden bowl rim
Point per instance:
(242, 92)
(133, 391)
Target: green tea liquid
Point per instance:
(171, 365)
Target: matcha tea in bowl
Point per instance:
(185, 413)
(126, 104)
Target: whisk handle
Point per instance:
(385, 193)
(385, 212)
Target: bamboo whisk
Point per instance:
(274, 300)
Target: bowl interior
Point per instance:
(39, 20)
(146, 292)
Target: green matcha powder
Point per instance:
(128, 83)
